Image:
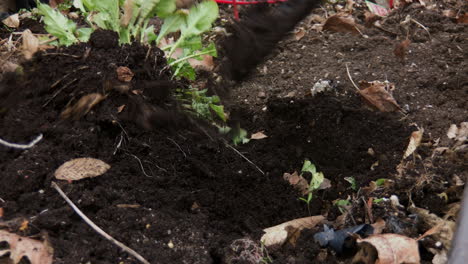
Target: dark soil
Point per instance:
(193, 197)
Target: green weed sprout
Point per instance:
(315, 181)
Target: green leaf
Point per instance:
(171, 24)
(58, 25)
(376, 201)
(317, 179)
(200, 19)
(239, 136)
(84, 34)
(352, 181)
(165, 8)
(380, 182)
(309, 167)
(79, 4)
(219, 110)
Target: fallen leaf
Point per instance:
(8, 66)
(18, 247)
(452, 132)
(280, 234)
(80, 168)
(390, 249)
(299, 33)
(206, 63)
(401, 49)
(463, 19)
(258, 135)
(377, 94)
(12, 21)
(415, 141)
(124, 74)
(326, 183)
(341, 22)
(120, 108)
(440, 257)
(298, 182)
(314, 19)
(128, 206)
(128, 13)
(370, 18)
(30, 44)
(445, 230)
(82, 107)
(379, 226)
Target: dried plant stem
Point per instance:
(97, 228)
(21, 146)
(244, 157)
(351, 79)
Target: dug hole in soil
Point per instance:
(191, 196)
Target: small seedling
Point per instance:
(352, 181)
(342, 204)
(315, 181)
(380, 182)
(379, 200)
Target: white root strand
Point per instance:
(21, 146)
(97, 228)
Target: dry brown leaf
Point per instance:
(401, 49)
(30, 44)
(298, 182)
(316, 19)
(463, 19)
(120, 108)
(341, 22)
(280, 234)
(80, 168)
(82, 107)
(35, 251)
(370, 18)
(452, 132)
(445, 231)
(299, 33)
(414, 143)
(378, 226)
(258, 135)
(124, 74)
(390, 249)
(377, 94)
(12, 21)
(128, 13)
(206, 63)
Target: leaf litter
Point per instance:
(80, 168)
(21, 248)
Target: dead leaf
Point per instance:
(326, 183)
(401, 49)
(378, 226)
(316, 19)
(120, 108)
(19, 247)
(82, 107)
(341, 22)
(8, 66)
(128, 13)
(30, 44)
(124, 74)
(390, 249)
(414, 143)
(206, 63)
(258, 135)
(80, 168)
(445, 230)
(12, 21)
(463, 19)
(298, 182)
(280, 234)
(378, 95)
(128, 206)
(452, 132)
(370, 18)
(299, 33)
(435, 229)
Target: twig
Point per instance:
(244, 157)
(351, 79)
(422, 26)
(58, 92)
(173, 141)
(62, 54)
(21, 146)
(66, 75)
(97, 228)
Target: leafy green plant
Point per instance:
(315, 181)
(342, 204)
(378, 200)
(380, 182)
(352, 181)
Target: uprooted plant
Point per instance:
(131, 19)
(315, 181)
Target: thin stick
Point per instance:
(21, 146)
(97, 228)
(351, 79)
(422, 26)
(173, 141)
(244, 157)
